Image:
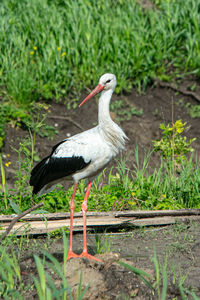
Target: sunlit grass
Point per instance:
(46, 51)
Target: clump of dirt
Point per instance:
(107, 279)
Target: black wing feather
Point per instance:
(53, 168)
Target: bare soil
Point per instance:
(177, 245)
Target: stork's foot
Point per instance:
(71, 254)
(89, 256)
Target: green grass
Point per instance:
(47, 51)
(167, 187)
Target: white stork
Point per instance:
(82, 156)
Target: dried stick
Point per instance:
(18, 217)
(67, 119)
(182, 91)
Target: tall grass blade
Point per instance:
(140, 273)
(41, 284)
(15, 207)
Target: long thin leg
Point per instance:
(72, 206)
(84, 210)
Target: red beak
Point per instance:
(98, 89)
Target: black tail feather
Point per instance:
(53, 168)
(37, 175)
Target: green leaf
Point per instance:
(15, 207)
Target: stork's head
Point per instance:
(106, 82)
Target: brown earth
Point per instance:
(176, 245)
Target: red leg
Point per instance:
(84, 210)
(72, 206)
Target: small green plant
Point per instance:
(165, 273)
(103, 243)
(26, 156)
(145, 277)
(194, 110)
(10, 275)
(17, 116)
(161, 277)
(173, 145)
(124, 110)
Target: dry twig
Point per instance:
(18, 218)
(180, 90)
(67, 119)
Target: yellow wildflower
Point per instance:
(8, 155)
(7, 164)
(34, 48)
(46, 107)
(63, 54)
(59, 48)
(32, 52)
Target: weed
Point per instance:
(173, 145)
(140, 273)
(9, 274)
(103, 243)
(124, 110)
(194, 110)
(34, 120)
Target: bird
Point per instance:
(82, 156)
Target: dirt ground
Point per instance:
(175, 246)
(178, 245)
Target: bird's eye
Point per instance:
(109, 80)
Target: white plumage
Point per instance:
(96, 146)
(82, 156)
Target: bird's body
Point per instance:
(84, 155)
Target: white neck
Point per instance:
(110, 131)
(104, 111)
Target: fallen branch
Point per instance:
(180, 90)
(15, 220)
(158, 213)
(67, 119)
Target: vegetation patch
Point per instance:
(174, 184)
